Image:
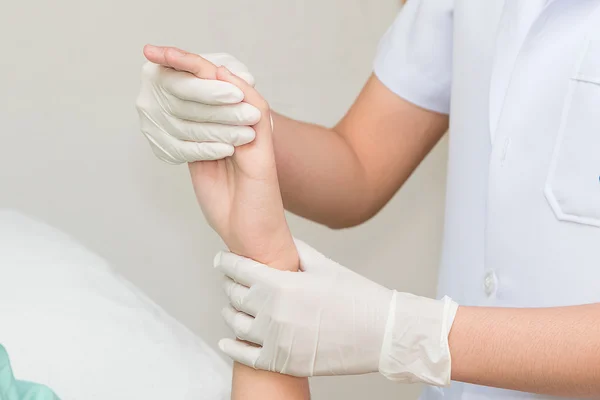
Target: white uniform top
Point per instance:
(521, 82)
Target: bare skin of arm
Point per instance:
(341, 177)
(553, 351)
(241, 200)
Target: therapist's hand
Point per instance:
(328, 320)
(187, 116)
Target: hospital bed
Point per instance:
(69, 321)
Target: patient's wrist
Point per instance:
(278, 251)
(288, 260)
(281, 258)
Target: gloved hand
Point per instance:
(186, 118)
(328, 320)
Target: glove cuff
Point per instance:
(415, 346)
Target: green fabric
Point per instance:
(12, 389)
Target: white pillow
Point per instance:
(68, 321)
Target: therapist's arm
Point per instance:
(344, 175)
(554, 351)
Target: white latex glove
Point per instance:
(328, 320)
(189, 119)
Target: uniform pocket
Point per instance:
(573, 185)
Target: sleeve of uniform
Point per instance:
(414, 58)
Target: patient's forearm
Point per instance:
(250, 384)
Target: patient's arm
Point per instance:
(250, 384)
(258, 229)
(241, 200)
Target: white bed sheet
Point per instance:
(69, 321)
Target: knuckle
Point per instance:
(239, 331)
(171, 53)
(236, 301)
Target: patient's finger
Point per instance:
(181, 60)
(231, 63)
(155, 54)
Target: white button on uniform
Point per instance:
(489, 283)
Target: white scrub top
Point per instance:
(521, 82)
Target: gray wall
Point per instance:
(71, 153)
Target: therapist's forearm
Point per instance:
(343, 176)
(553, 351)
(320, 176)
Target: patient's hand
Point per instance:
(240, 195)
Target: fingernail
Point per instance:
(217, 260)
(222, 345)
(150, 48)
